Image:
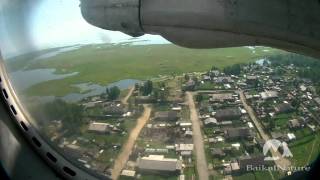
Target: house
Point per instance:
(269, 95)
(189, 86)
(223, 79)
(114, 109)
(128, 173)
(176, 108)
(184, 124)
(252, 162)
(277, 135)
(252, 80)
(294, 124)
(144, 99)
(184, 147)
(235, 167)
(221, 97)
(206, 78)
(228, 114)
(291, 136)
(317, 100)
(101, 128)
(238, 133)
(214, 73)
(210, 121)
(186, 153)
(283, 108)
(158, 163)
(217, 152)
(166, 116)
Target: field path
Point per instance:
(126, 98)
(202, 167)
(282, 163)
(123, 157)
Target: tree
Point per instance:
(272, 123)
(113, 92)
(186, 77)
(199, 98)
(70, 114)
(232, 70)
(147, 88)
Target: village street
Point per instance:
(126, 98)
(123, 157)
(202, 167)
(282, 162)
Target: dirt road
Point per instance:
(123, 157)
(282, 162)
(126, 98)
(202, 167)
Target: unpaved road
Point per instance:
(202, 167)
(123, 157)
(125, 99)
(282, 163)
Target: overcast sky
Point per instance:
(55, 23)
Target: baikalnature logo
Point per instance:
(274, 145)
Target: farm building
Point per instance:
(144, 99)
(217, 152)
(221, 97)
(269, 95)
(223, 79)
(256, 161)
(166, 116)
(251, 80)
(159, 163)
(294, 123)
(283, 108)
(99, 127)
(238, 133)
(228, 114)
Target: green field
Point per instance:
(103, 64)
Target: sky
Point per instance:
(57, 23)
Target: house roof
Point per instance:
(238, 132)
(99, 127)
(184, 147)
(221, 97)
(252, 161)
(294, 123)
(169, 115)
(223, 79)
(317, 100)
(128, 173)
(283, 107)
(228, 113)
(159, 163)
(269, 94)
(217, 151)
(210, 121)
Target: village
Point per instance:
(198, 125)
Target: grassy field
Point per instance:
(103, 64)
(306, 148)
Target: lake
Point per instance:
(91, 89)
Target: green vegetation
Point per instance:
(306, 148)
(264, 175)
(103, 64)
(70, 114)
(281, 120)
(113, 93)
(147, 87)
(232, 70)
